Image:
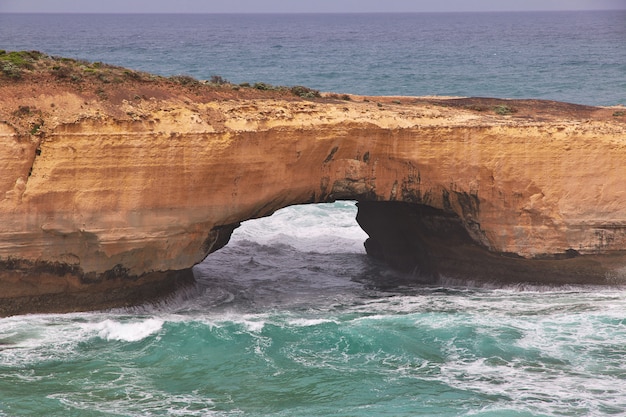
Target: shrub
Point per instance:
(218, 79)
(304, 92)
(36, 128)
(263, 86)
(503, 110)
(13, 63)
(101, 94)
(22, 111)
(476, 107)
(61, 72)
(11, 70)
(21, 58)
(104, 78)
(619, 113)
(134, 75)
(184, 79)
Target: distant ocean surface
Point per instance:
(291, 318)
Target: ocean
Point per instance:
(291, 318)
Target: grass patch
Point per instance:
(20, 58)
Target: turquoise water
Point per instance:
(291, 318)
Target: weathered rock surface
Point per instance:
(110, 192)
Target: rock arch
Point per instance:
(112, 205)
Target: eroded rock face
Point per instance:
(434, 246)
(107, 194)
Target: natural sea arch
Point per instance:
(113, 206)
(432, 245)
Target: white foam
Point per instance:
(309, 322)
(127, 332)
(323, 228)
(253, 326)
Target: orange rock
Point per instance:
(104, 195)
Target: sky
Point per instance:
(298, 6)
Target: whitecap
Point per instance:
(309, 322)
(253, 326)
(126, 332)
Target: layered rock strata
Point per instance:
(110, 194)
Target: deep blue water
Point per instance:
(288, 319)
(569, 56)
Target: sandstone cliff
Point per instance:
(114, 183)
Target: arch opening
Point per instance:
(302, 254)
(406, 243)
(422, 243)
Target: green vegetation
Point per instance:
(21, 64)
(22, 111)
(66, 72)
(21, 58)
(504, 110)
(476, 107)
(102, 95)
(35, 128)
(345, 97)
(619, 113)
(185, 80)
(17, 64)
(304, 92)
(12, 64)
(218, 79)
(11, 70)
(263, 86)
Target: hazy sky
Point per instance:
(297, 6)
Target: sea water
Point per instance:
(291, 318)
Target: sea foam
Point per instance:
(127, 332)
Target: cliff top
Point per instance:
(36, 86)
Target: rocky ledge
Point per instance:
(114, 183)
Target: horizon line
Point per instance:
(318, 13)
